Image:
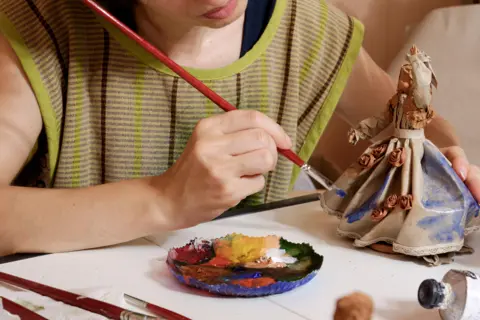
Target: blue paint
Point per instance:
(444, 191)
(246, 275)
(367, 206)
(228, 289)
(371, 203)
(443, 227)
(445, 197)
(341, 193)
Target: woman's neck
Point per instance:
(195, 47)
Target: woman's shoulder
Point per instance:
(320, 18)
(46, 18)
(318, 31)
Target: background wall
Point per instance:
(387, 25)
(387, 22)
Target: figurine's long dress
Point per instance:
(410, 197)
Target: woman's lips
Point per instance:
(223, 12)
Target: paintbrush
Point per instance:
(159, 311)
(19, 310)
(107, 310)
(206, 91)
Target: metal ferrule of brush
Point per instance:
(128, 315)
(317, 176)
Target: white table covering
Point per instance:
(138, 269)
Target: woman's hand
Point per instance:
(470, 174)
(222, 164)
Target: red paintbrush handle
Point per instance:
(18, 310)
(95, 306)
(172, 65)
(292, 156)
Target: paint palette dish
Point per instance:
(243, 266)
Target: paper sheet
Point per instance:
(54, 310)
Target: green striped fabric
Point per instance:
(112, 112)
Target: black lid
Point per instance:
(431, 294)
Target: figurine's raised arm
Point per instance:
(370, 127)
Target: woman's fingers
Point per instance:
(459, 161)
(249, 185)
(254, 163)
(473, 182)
(245, 141)
(239, 120)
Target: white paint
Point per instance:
(279, 256)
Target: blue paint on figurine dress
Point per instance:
(341, 193)
(443, 188)
(444, 226)
(446, 196)
(371, 203)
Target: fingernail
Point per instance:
(463, 174)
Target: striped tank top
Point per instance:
(112, 112)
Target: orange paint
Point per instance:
(220, 262)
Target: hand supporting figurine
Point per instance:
(470, 174)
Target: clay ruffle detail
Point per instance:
(366, 160)
(379, 151)
(379, 214)
(406, 202)
(391, 202)
(397, 157)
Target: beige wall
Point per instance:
(387, 24)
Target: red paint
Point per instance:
(192, 254)
(197, 84)
(254, 283)
(220, 262)
(222, 12)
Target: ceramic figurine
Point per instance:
(403, 195)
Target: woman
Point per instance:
(128, 149)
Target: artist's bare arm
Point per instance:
(367, 93)
(38, 220)
(225, 161)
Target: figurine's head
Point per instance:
(416, 56)
(415, 53)
(413, 50)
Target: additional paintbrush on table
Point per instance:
(95, 306)
(18, 310)
(159, 311)
(205, 90)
